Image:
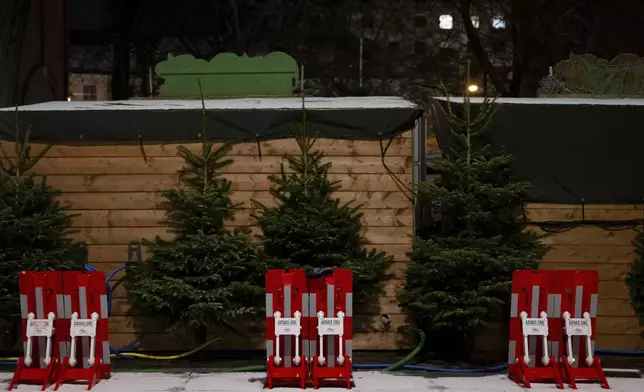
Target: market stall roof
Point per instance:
(574, 150)
(227, 119)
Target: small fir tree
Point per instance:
(34, 229)
(460, 271)
(207, 276)
(308, 228)
(635, 279)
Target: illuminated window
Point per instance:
(445, 22)
(498, 22)
(476, 21)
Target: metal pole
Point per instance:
(419, 167)
(361, 57)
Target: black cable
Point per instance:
(399, 183)
(145, 157)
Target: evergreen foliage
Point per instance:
(460, 271)
(635, 279)
(207, 276)
(309, 228)
(33, 229)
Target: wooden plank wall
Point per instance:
(610, 252)
(116, 195)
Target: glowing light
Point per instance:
(69, 99)
(473, 88)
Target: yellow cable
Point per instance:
(154, 357)
(167, 357)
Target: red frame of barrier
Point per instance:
(342, 282)
(278, 283)
(524, 283)
(568, 283)
(50, 283)
(95, 292)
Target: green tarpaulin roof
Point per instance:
(227, 119)
(574, 150)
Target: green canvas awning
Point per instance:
(574, 150)
(245, 119)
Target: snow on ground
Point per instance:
(364, 382)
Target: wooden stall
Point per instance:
(116, 195)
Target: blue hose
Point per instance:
(11, 363)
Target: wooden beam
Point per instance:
(239, 182)
(154, 200)
(156, 218)
(243, 164)
(124, 235)
(113, 255)
(401, 146)
(589, 235)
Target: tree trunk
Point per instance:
(14, 16)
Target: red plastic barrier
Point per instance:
(85, 328)
(40, 304)
(579, 291)
(533, 329)
(332, 304)
(285, 324)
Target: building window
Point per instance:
(420, 21)
(445, 22)
(476, 21)
(420, 47)
(89, 92)
(498, 22)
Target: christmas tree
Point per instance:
(33, 229)
(309, 228)
(207, 276)
(460, 271)
(635, 279)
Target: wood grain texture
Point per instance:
(116, 196)
(239, 182)
(384, 217)
(116, 254)
(124, 235)
(400, 146)
(241, 164)
(550, 212)
(153, 200)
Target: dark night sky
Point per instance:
(89, 15)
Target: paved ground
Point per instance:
(364, 381)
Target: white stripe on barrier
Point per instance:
(330, 340)
(40, 314)
(288, 356)
(85, 342)
(512, 349)
(24, 307)
(60, 309)
(269, 305)
(534, 313)
(579, 295)
(106, 353)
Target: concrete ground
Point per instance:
(364, 382)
